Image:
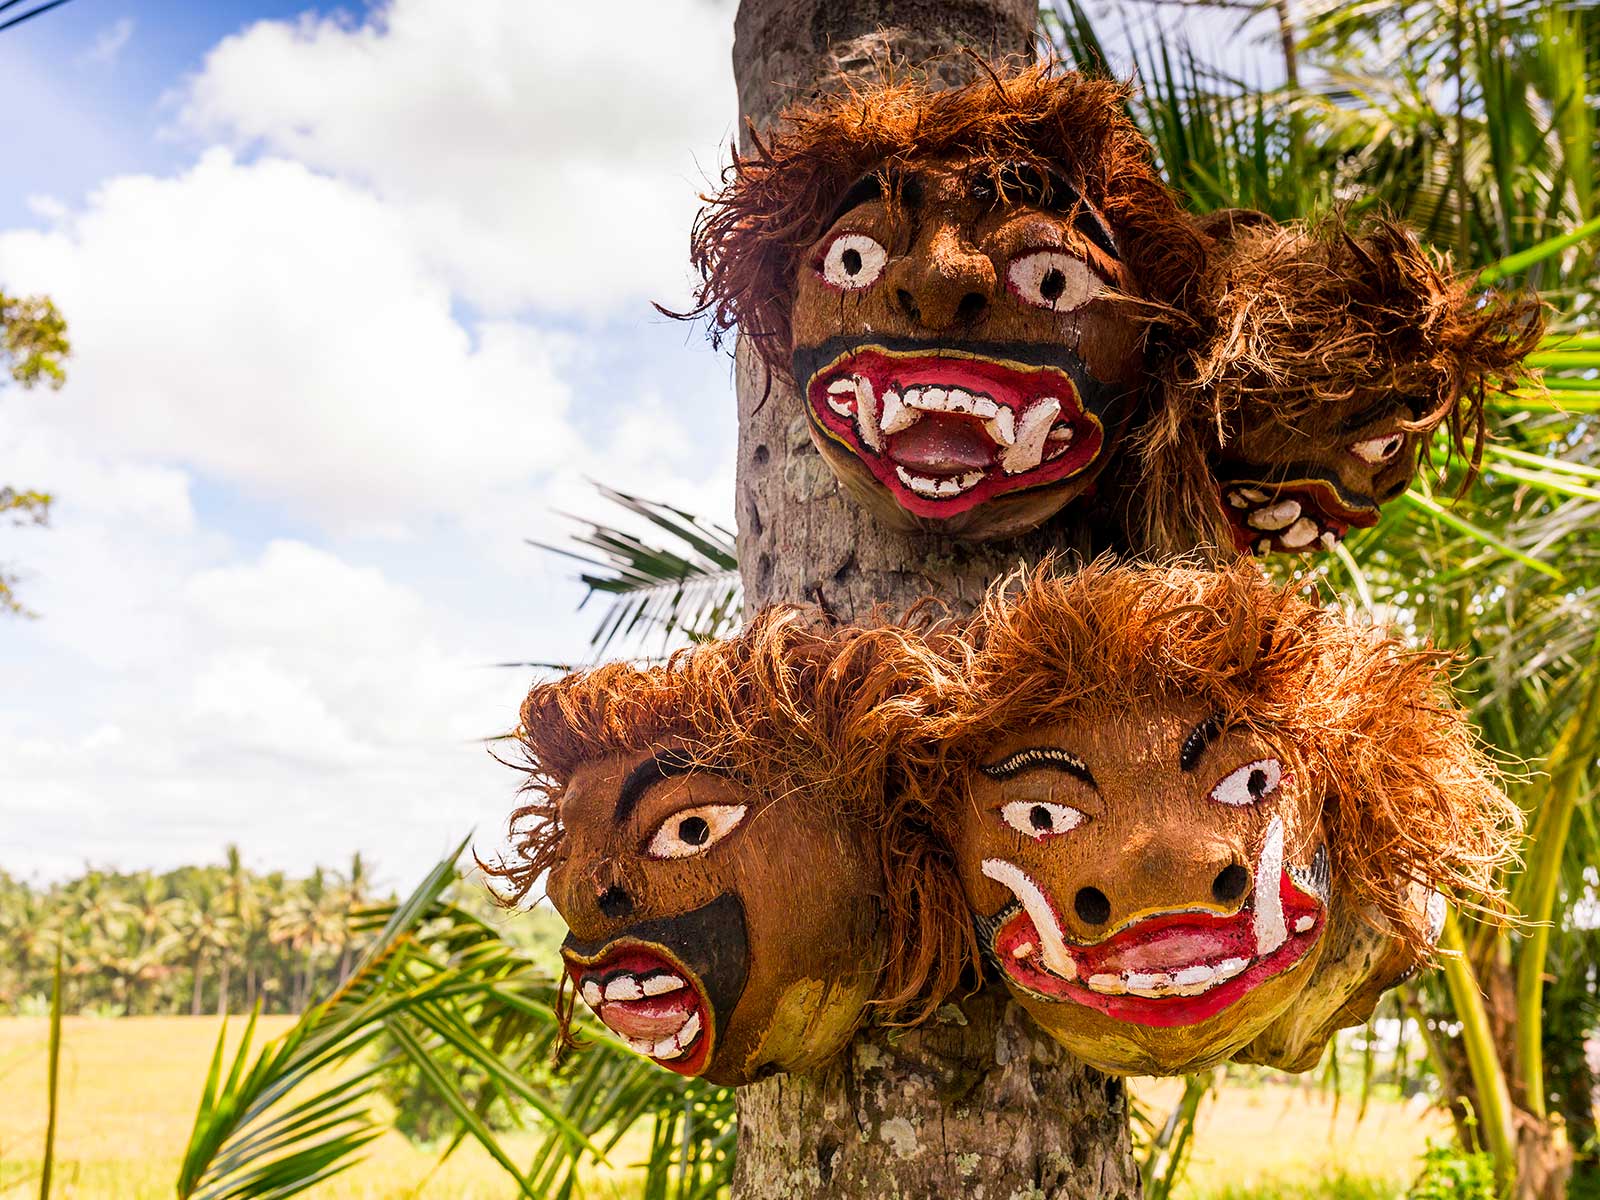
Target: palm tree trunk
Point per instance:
(979, 1102)
(222, 983)
(194, 1000)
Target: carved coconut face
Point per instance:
(720, 932)
(963, 363)
(1297, 489)
(1153, 888)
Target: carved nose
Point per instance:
(1231, 883)
(1092, 906)
(615, 903)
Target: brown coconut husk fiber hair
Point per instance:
(777, 200)
(789, 707)
(1409, 795)
(1304, 323)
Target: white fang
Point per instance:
(1053, 947)
(1026, 452)
(1270, 930)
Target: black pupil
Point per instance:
(1039, 817)
(852, 262)
(1258, 783)
(694, 830)
(1053, 284)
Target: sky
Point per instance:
(360, 300)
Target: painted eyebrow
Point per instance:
(863, 190)
(1201, 736)
(653, 770)
(1051, 191)
(1040, 758)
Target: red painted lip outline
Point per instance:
(1165, 1011)
(629, 956)
(1318, 500)
(1012, 385)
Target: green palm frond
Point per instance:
(688, 588)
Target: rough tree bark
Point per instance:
(979, 1103)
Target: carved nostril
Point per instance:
(909, 303)
(1231, 883)
(1092, 906)
(614, 902)
(972, 307)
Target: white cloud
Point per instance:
(274, 328)
(546, 155)
(108, 44)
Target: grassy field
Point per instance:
(129, 1089)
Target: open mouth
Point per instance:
(648, 998)
(1292, 517)
(1173, 968)
(945, 430)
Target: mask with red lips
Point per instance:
(966, 287)
(960, 345)
(1336, 356)
(718, 932)
(1192, 811)
(1152, 889)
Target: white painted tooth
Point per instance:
(591, 993)
(1022, 950)
(842, 386)
(842, 409)
(1148, 983)
(1238, 501)
(624, 987)
(1028, 450)
(1304, 923)
(916, 397)
(1054, 950)
(1199, 973)
(867, 414)
(949, 487)
(660, 985)
(667, 1048)
(984, 407)
(896, 416)
(1062, 433)
(1107, 984)
(1329, 541)
(969, 481)
(690, 1031)
(1302, 533)
(1277, 517)
(648, 1049)
(1229, 967)
(1270, 930)
(1253, 495)
(958, 401)
(1002, 426)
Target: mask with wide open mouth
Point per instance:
(944, 429)
(1292, 515)
(667, 986)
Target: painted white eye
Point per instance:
(1249, 783)
(1039, 820)
(1053, 280)
(853, 261)
(1379, 449)
(694, 830)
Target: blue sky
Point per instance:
(358, 297)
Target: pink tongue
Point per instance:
(943, 446)
(1174, 949)
(651, 1018)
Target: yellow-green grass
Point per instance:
(129, 1088)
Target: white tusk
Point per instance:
(867, 414)
(1002, 427)
(1270, 930)
(1053, 947)
(1027, 451)
(895, 415)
